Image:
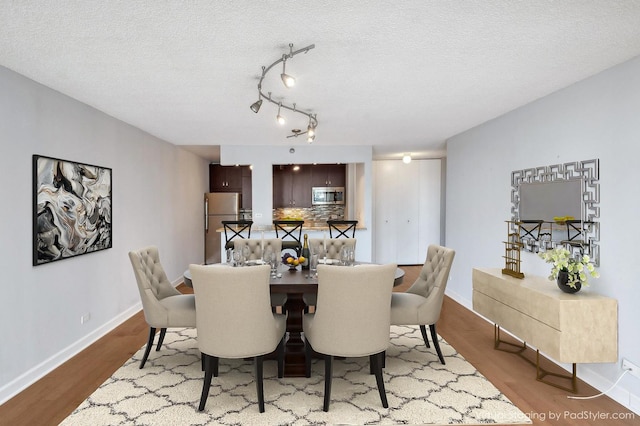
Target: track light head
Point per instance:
(255, 107)
(286, 78)
(279, 117)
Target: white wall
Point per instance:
(264, 157)
(595, 118)
(157, 199)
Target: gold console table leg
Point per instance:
(540, 372)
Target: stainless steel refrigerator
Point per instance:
(218, 206)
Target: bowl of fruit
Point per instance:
(291, 261)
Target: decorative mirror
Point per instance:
(558, 205)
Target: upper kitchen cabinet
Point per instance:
(328, 175)
(226, 178)
(291, 186)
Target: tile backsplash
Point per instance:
(310, 214)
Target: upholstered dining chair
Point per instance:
(333, 246)
(163, 305)
(255, 252)
(422, 302)
(340, 327)
(234, 320)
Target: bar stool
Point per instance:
(233, 228)
(342, 228)
(290, 229)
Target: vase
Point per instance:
(563, 279)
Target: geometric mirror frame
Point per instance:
(581, 181)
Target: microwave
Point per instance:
(327, 195)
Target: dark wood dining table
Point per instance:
(295, 283)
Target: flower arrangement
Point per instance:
(577, 268)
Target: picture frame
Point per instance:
(72, 209)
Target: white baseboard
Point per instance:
(26, 379)
(619, 394)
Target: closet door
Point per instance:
(406, 210)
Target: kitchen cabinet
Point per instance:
(328, 175)
(406, 212)
(231, 179)
(291, 188)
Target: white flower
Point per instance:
(577, 268)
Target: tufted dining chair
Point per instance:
(255, 253)
(340, 327)
(333, 246)
(234, 320)
(422, 302)
(163, 305)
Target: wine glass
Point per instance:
(246, 252)
(344, 256)
(273, 261)
(237, 256)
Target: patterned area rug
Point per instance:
(420, 390)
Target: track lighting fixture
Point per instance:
(288, 81)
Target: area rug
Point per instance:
(419, 388)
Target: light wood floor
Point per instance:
(54, 397)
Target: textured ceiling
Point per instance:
(397, 75)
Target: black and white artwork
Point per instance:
(71, 209)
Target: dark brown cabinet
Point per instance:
(328, 175)
(291, 186)
(231, 179)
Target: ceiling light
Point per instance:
(286, 78)
(311, 138)
(288, 81)
(255, 107)
(280, 118)
(406, 159)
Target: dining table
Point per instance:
(295, 282)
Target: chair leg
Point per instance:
(376, 361)
(208, 372)
(152, 335)
(163, 331)
(328, 375)
(259, 384)
(308, 354)
(281, 358)
(423, 329)
(214, 363)
(434, 337)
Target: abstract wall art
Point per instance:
(72, 206)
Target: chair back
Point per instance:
(333, 245)
(234, 228)
(233, 311)
(289, 229)
(153, 284)
(432, 281)
(352, 316)
(342, 228)
(255, 246)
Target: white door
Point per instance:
(407, 210)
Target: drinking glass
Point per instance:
(229, 258)
(237, 257)
(344, 256)
(246, 252)
(352, 256)
(313, 264)
(266, 255)
(273, 261)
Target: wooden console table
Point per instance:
(569, 328)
